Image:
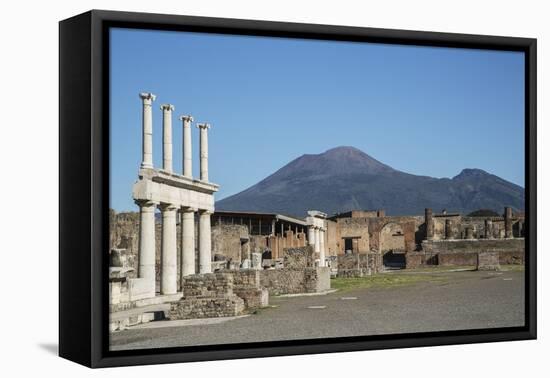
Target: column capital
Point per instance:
(145, 203)
(203, 125)
(167, 107)
(186, 118)
(168, 207)
(147, 96)
(189, 209)
(205, 212)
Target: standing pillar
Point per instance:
(508, 223)
(169, 251)
(187, 159)
(317, 240)
(205, 248)
(448, 229)
(488, 229)
(146, 268)
(204, 150)
(429, 222)
(187, 242)
(322, 251)
(167, 137)
(310, 235)
(147, 123)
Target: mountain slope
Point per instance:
(346, 178)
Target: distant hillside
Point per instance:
(345, 178)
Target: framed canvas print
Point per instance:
(234, 188)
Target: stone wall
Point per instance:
(295, 281)
(228, 240)
(488, 261)
(299, 275)
(207, 296)
(481, 245)
(465, 252)
(246, 285)
(353, 265)
(277, 243)
(299, 258)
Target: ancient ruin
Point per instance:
(196, 262)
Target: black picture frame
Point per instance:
(84, 187)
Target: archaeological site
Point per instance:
(177, 258)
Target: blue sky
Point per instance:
(423, 110)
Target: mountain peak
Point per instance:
(345, 178)
(348, 159)
(471, 172)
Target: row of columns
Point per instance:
(469, 231)
(168, 267)
(167, 151)
(316, 238)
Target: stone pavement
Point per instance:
(456, 300)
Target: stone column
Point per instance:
(429, 223)
(169, 251)
(448, 229)
(204, 150)
(469, 232)
(187, 242)
(310, 235)
(146, 268)
(488, 229)
(322, 251)
(167, 137)
(508, 233)
(317, 240)
(205, 248)
(147, 122)
(187, 160)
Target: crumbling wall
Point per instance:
(295, 281)
(207, 296)
(488, 261)
(299, 275)
(227, 240)
(353, 265)
(356, 228)
(246, 285)
(465, 252)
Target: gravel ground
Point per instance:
(455, 301)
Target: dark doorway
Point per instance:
(348, 245)
(394, 260)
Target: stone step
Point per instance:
(121, 320)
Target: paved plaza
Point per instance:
(434, 302)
